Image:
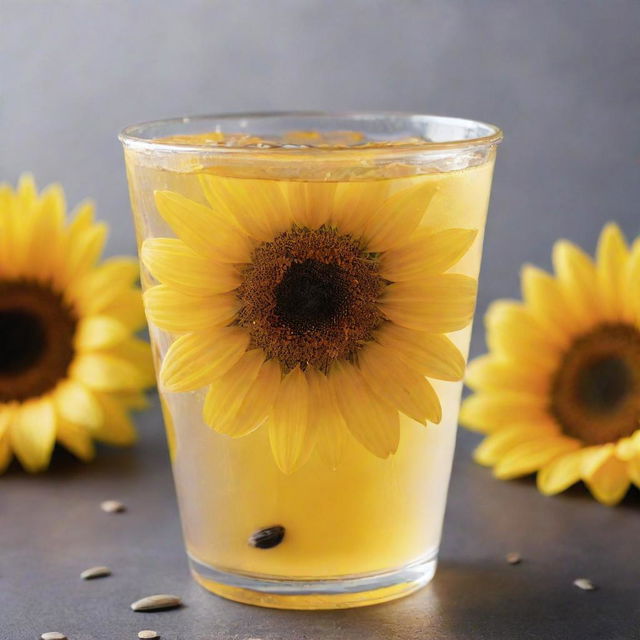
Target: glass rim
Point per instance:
(131, 136)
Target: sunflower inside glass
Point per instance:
(70, 366)
(559, 394)
(311, 334)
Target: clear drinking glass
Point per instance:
(310, 281)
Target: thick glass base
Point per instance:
(330, 593)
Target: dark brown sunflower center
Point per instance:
(36, 339)
(309, 297)
(596, 390)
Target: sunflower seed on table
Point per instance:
(112, 506)
(157, 602)
(53, 635)
(584, 583)
(148, 634)
(95, 572)
(513, 558)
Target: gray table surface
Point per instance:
(51, 528)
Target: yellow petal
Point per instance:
(430, 354)
(105, 372)
(83, 250)
(173, 263)
(427, 252)
(436, 304)
(612, 256)
(202, 229)
(495, 446)
(354, 202)
(372, 422)
(256, 405)
(492, 373)
(127, 309)
(633, 469)
(546, 303)
(7, 413)
(630, 299)
(76, 404)
(400, 386)
(577, 277)
(6, 454)
(258, 206)
(288, 422)
(99, 332)
(394, 221)
(626, 449)
(178, 313)
(227, 393)
(195, 359)
(326, 419)
(33, 433)
(529, 457)
(76, 438)
(310, 202)
(117, 427)
(560, 473)
(136, 352)
(104, 284)
(513, 333)
(608, 480)
(487, 412)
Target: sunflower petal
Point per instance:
(99, 332)
(354, 202)
(6, 453)
(76, 404)
(127, 309)
(430, 354)
(372, 422)
(117, 427)
(402, 387)
(173, 263)
(136, 352)
(427, 252)
(195, 359)
(608, 477)
(491, 373)
(394, 221)
(310, 202)
(560, 473)
(436, 304)
(202, 229)
(76, 438)
(179, 313)
(633, 469)
(513, 333)
(288, 422)
(106, 372)
(488, 412)
(225, 396)
(496, 445)
(612, 256)
(258, 206)
(326, 419)
(256, 405)
(576, 275)
(546, 303)
(33, 433)
(531, 456)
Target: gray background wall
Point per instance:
(562, 77)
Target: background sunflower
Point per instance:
(559, 392)
(70, 366)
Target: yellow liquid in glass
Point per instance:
(369, 514)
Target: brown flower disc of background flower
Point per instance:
(36, 339)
